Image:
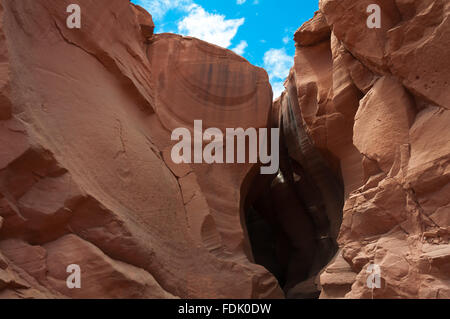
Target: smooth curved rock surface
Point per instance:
(84, 173)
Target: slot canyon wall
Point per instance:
(86, 175)
(374, 103)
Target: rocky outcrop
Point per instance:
(87, 177)
(374, 104)
(85, 171)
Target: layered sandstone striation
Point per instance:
(374, 103)
(87, 178)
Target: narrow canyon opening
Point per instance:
(289, 225)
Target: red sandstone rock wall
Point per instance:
(86, 175)
(86, 116)
(375, 103)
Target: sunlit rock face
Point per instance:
(87, 177)
(374, 103)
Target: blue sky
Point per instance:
(261, 31)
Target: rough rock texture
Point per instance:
(145, 21)
(85, 170)
(375, 104)
(86, 175)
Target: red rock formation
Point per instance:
(86, 175)
(375, 102)
(86, 117)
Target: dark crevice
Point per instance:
(293, 219)
(287, 236)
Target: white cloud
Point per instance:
(277, 64)
(240, 1)
(197, 22)
(158, 8)
(277, 88)
(240, 48)
(210, 27)
(286, 40)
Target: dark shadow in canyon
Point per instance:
(293, 219)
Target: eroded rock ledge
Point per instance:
(86, 175)
(375, 104)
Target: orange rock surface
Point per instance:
(86, 118)
(375, 103)
(86, 175)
